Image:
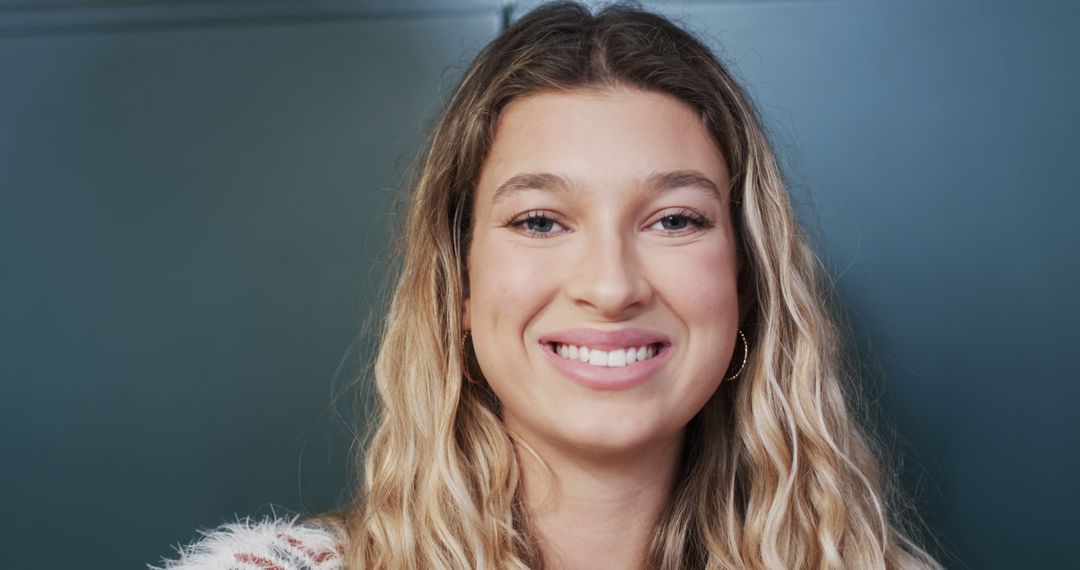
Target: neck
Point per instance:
(592, 512)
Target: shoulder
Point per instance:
(283, 544)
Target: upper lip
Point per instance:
(606, 339)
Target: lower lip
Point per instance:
(608, 377)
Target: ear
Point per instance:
(747, 288)
(466, 322)
(466, 319)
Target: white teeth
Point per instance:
(610, 358)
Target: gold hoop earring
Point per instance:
(745, 353)
(465, 340)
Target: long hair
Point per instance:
(776, 472)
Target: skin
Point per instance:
(608, 251)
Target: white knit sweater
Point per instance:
(269, 544)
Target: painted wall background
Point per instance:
(195, 199)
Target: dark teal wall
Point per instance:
(194, 199)
(194, 205)
(933, 146)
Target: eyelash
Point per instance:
(691, 216)
(519, 222)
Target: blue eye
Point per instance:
(539, 224)
(674, 222)
(536, 224)
(681, 222)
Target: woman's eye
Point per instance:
(674, 222)
(540, 225)
(681, 222)
(537, 224)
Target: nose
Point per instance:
(609, 277)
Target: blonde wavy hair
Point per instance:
(777, 472)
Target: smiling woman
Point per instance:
(603, 314)
(608, 346)
(634, 254)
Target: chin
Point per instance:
(614, 434)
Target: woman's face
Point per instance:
(602, 269)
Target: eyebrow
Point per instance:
(546, 181)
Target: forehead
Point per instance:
(600, 137)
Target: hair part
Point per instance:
(776, 473)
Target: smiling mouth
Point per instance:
(615, 358)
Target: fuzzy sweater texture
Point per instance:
(268, 544)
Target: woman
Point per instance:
(608, 346)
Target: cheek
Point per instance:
(508, 285)
(699, 284)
